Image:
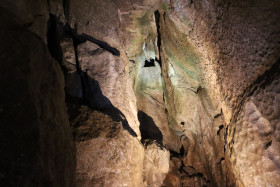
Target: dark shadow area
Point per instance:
(35, 142)
(220, 128)
(157, 18)
(268, 144)
(150, 63)
(221, 160)
(81, 38)
(174, 154)
(66, 6)
(182, 151)
(52, 38)
(148, 129)
(57, 29)
(100, 43)
(94, 98)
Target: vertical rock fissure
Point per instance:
(157, 20)
(66, 7)
(52, 38)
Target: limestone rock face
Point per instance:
(237, 62)
(158, 92)
(107, 155)
(156, 165)
(104, 117)
(100, 68)
(254, 137)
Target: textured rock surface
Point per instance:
(104, 116)
(237, 46)
(36, 142)
(156, 165)
(159, 92)
(101, 68)
(107, 155)
(254, 137)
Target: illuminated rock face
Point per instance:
(158, 93)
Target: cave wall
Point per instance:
(36, 140)
(161, 92)
(191, 113)
(239, 50)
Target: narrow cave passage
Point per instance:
(139, 93)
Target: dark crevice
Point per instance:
(164, 17)
(198, 90)
(182, 151)
(183, 136)
(150, 63)
(148, 129)
(66, 6)
(132, 61)
(221, 160)
(220, 128)
(174, 154)
(48, 3)
(268, 144)
(220, 114)
(181, 169)
(52, 39)
(157, 18)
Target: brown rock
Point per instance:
(36, 141)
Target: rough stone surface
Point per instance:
(106, 85)
(107, 155)
(159, 92)
(255, 139)
(156, 165)
(237, 46)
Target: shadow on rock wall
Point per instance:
(149, 130)
(94, 99)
